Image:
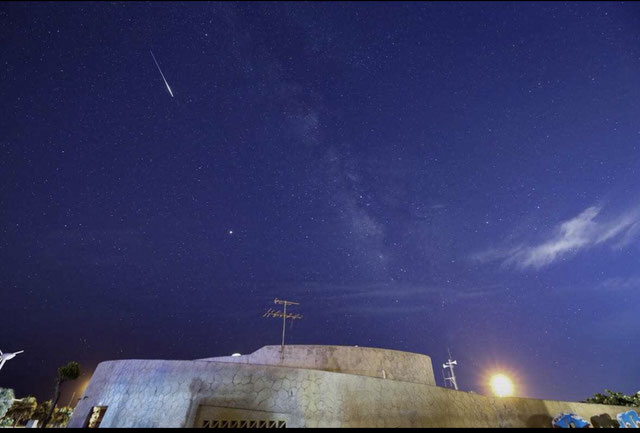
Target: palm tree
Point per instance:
(42, 409)
(22, 409)
(66, 373)
(61, 416)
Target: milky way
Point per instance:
(418, 176)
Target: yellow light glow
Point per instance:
(501, 385)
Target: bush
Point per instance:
(6, 400)
(615, 399)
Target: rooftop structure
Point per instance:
(302, 386)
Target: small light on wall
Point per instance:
(236, 354)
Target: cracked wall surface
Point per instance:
(363, 361)
(526, 412)
(147, 393)
(169, 393)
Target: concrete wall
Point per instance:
(524, 412)
(363, 361)
(170, 393)
(142, 393)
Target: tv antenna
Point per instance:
(284, 315)
(450, 380)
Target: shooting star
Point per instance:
(160, 70)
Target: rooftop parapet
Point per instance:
(362, 361)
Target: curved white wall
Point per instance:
(145, 393)
(362, 361)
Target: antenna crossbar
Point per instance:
(284, 315)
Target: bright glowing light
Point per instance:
(501, 385)
(236, 355)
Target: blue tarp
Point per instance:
(629, 419)
(569, 420)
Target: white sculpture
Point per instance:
(4, 357)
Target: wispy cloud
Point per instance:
(394, 298)
(620, 284)
(586, 230)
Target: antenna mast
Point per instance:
(284, 315)
(451, 378)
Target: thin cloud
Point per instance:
(620, 284)
(385, 298)
(580, 233)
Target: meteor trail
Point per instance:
(160, 70)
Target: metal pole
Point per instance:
(453, 373)
(453, 378)
(284, 324)
(285, 316)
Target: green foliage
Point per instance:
(6, 400)
(6, 422)
(22, 410)
(615, 398)
(68, 372)
(61, 416)
(41, 411)
(71, 371)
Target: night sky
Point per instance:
(419, 176)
